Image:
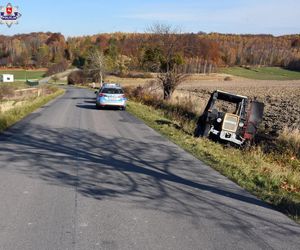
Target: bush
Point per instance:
(294, 65)
(77, 77)
(57, 68)
(228, 78)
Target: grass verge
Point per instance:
(262, 73)
(10, 117)
(263, 175)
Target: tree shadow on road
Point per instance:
(151, 175)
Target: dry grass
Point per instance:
(8, 105)
(290, 139)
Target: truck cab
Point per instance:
(230, 117)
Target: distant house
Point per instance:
(6, 78)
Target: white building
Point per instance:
(6, 78)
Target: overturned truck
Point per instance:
(229, 117)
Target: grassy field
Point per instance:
(263, 73)
(22, 74)
(276, 181)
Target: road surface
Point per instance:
(73, 177)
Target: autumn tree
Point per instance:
(95, 65)
(162, 52)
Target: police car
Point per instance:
(111, 95)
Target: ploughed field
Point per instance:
(281, 98)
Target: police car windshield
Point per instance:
(112, 91)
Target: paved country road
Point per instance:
(73, 177)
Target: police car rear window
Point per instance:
(112, 91)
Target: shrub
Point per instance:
(77, 77)
(228, 78)
(294, 65)
(57, 68)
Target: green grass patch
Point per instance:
(262, 73)
(24, 74)
(10, 117)
(260, 174)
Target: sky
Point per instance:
(77, 17)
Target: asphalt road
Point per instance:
(73, 177)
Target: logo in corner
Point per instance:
(9, 15)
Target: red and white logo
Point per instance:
(9, 15)
(9, 9)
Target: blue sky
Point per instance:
(96, 16)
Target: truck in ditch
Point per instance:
(230, 118)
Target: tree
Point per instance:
(164, 41)
(170, 80)
(42, 57)
(152, 59)
(77, 77)
(112, 49)
(96, 65)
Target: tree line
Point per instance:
(196, 53)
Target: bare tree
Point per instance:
(166, 39)
(96, 66)
(170, 80)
